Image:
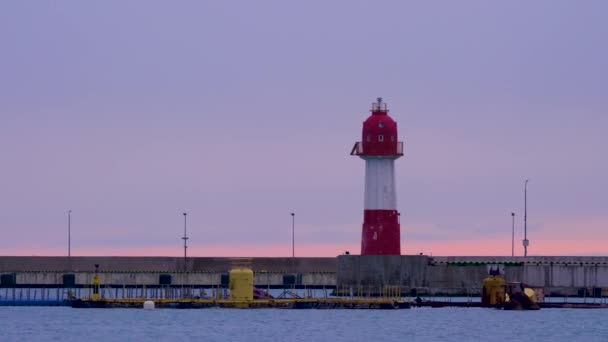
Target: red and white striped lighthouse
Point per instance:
(379, 147)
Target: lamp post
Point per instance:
(526, 242)
(69, 233)
(512, 234)
(293, 235)
(185, 238)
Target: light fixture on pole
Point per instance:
(526, 242)
(512, 234)
(185, 238)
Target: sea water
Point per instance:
(416, 324)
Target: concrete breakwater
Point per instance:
(414, 274)
(560, 276)
(162, 271)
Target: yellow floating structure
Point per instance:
(241, 284)
(242, 296)
(493, 291)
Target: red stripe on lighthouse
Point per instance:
(381, 233)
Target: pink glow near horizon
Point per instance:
(553, 237)
(468, 247)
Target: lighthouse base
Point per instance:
(381, 233)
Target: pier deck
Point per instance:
(287, 303)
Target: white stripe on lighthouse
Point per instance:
(380, 184)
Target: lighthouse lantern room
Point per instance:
(380, 147)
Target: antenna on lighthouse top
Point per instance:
(379, 106)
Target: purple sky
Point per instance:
(131, 112)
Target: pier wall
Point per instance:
(139, 271)
(163, 264)
(425, 274)
(463, 275)
(207, 279)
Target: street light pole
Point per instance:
(526, 242)
(293, 235)
(69, 233)
(512, 234)
(185, 238)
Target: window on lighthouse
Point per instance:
(380, 137)
(369, 138)
(381, 124)
(392, 138)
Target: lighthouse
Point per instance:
(380, 147)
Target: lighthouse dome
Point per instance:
(379, 134)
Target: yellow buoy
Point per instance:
(241, 284)
(493, 291)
